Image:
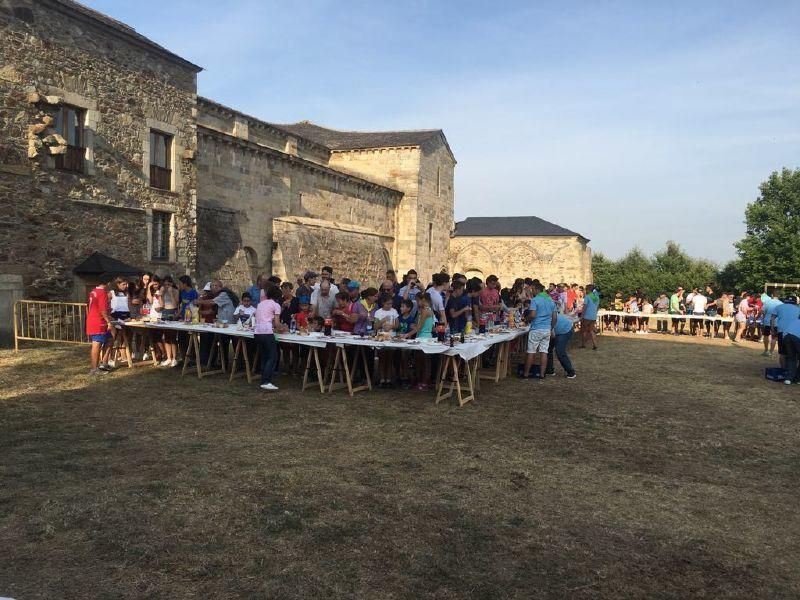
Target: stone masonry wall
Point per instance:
(49, 219)
(397, 168)
(435, 204)
(352, 252)
(254, 185)
(550, 259)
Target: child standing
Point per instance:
(245, 310)
(406, 328)
(424, 330)
(386, 320)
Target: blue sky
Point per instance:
(630, 122)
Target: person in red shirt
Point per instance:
(343, 313)
(98, 325)
(301, 317)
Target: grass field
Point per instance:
(667, 469)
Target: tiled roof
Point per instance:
(355, 140)
(511, 226)
(72, 7)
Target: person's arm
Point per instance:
(530, 315)
(107, 319)
(553, 319)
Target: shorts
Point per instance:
(767, 330)
(538, 341)
(740, 318)
(781, 346)
(711, 312)
(100, 338)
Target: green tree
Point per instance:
(770, 250)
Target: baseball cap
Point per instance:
(353, 285)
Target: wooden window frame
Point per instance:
(161, 177)
(72, 161)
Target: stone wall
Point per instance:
(425, 216)
(435, 206)
(354, 252)
(253, 185)
(397, 168)
(50, 219)
(550, 259)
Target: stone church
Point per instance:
(106, 147)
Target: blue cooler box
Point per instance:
(775, 374)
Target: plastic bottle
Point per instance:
(369, 327)
(293, 325)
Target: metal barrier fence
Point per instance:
(62, 322)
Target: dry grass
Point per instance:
(666, 470)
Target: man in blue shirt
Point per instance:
(458, 305)
(791, 342)
(768, 306)
(255, 290)
(591, 301)
(542, 317)
(563, 334)
(783, 316)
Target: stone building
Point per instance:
(106, 147)
(512, 247)
(97, 141)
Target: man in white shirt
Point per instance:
(326, 274)
(699, 302)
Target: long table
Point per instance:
(660, 316)
(343, 366)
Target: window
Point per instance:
(69, 125)
(438, 181)
(430, 237)
(161, 231)
(160, 164)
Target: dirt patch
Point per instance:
(665, 470)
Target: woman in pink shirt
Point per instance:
(267, 323)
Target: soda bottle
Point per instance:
(328, 326)
(482, 325)
(440, 332)
(369, 326)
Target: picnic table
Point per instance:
(343, 367)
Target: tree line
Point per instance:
(769, 252)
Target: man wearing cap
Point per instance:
(783, 316)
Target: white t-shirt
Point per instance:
(381, 314)
(699, 304)
(437, 302)
(315, 293)
(244, 312)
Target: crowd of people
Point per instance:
(407, 308)
(404, 308)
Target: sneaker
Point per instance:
(787, 381)
(573, 376)
(765, 353)
(146, 356)
(104, 367)
(97, 372)
(269, 386)
(173, 363)
(553, 372)
(166, 363)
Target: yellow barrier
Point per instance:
(62, 322)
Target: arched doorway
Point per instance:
(470, 273)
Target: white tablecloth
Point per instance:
(474, 346)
